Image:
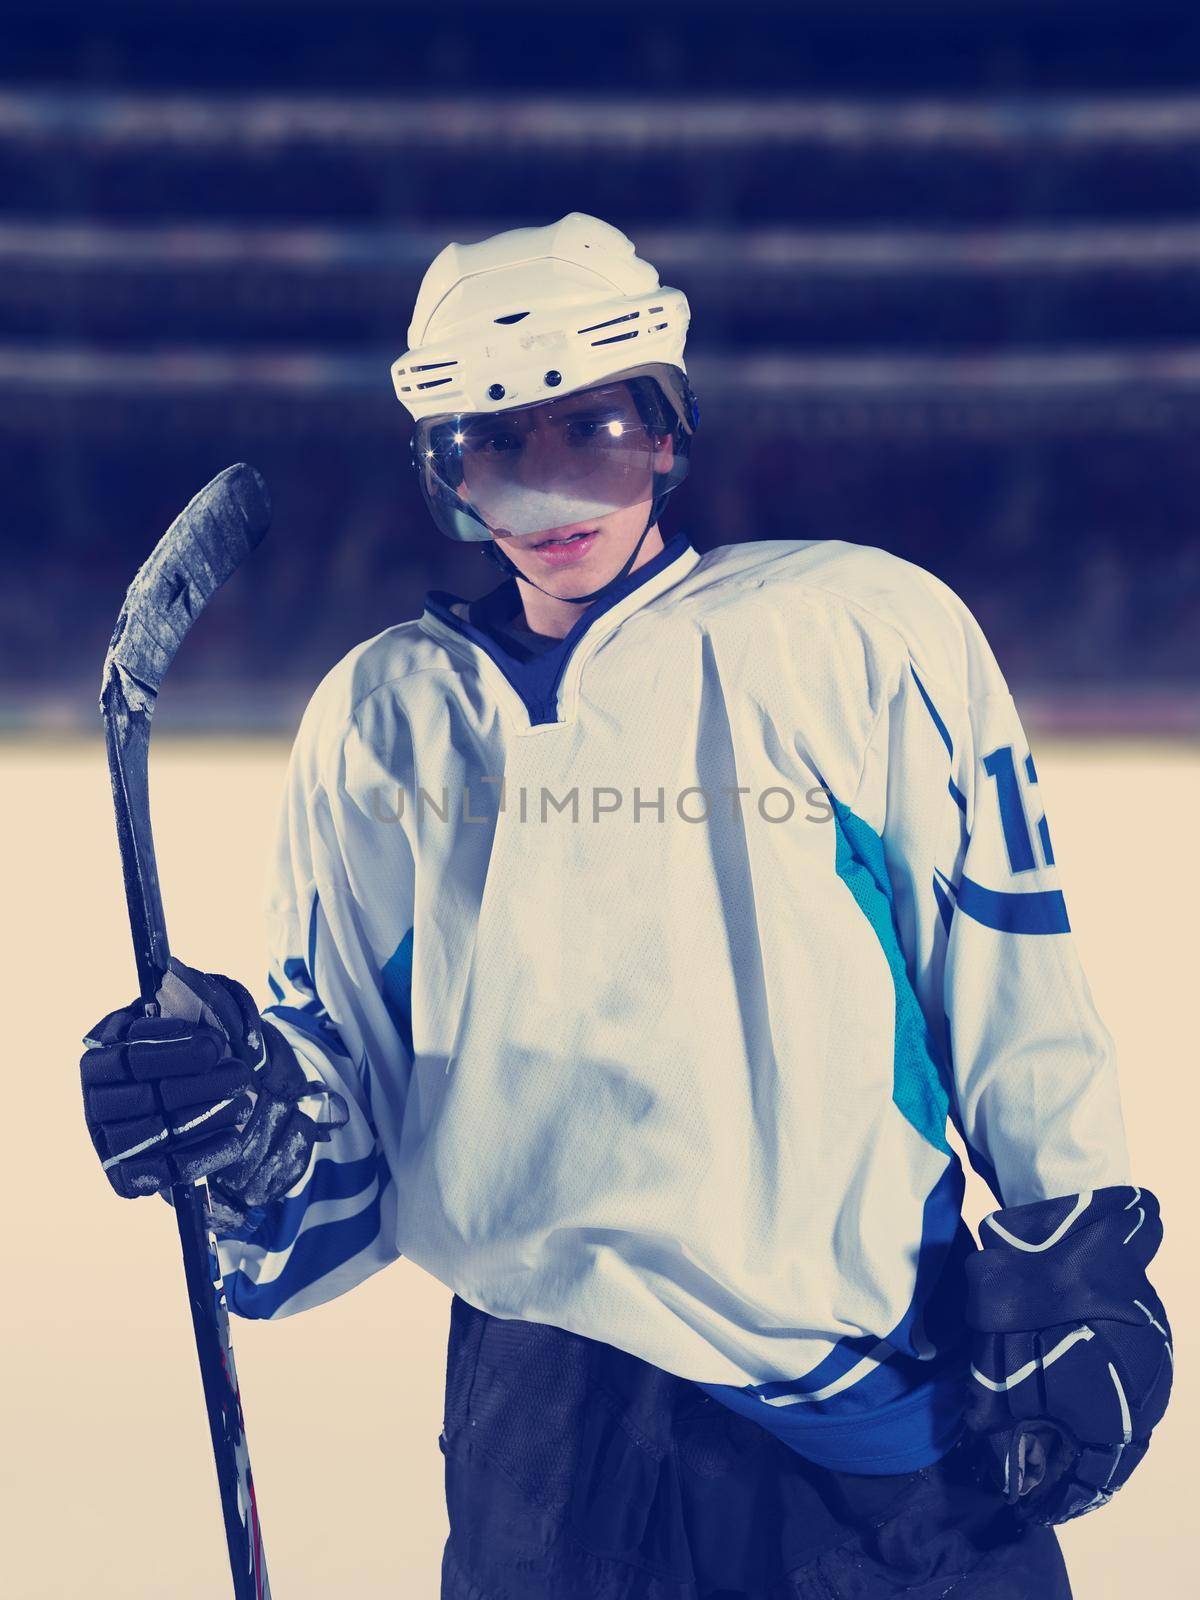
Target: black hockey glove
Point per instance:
(205, 1088)
(1072, 1360)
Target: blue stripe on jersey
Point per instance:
(364, 1075)
(941, 1234)
(396, 981)
(316, 1253)
(312, 942)
(933, 712)
(976, 1157)
(904, 1413)
(944, 904)
(1035, 911)
(319, 1027)
(956, 794)
(330, 1180)
(919, 1084)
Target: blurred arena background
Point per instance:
(943, 258)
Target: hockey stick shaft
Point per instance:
(197, 553)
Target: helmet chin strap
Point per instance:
(493, 553)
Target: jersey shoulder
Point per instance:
(355, 685)
(895, 608)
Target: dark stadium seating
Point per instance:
(943, 261)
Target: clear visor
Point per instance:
(566, 460)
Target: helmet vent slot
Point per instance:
(616, 338)
(432, 366)
(628, 316)
(514, 316)
(434, 383)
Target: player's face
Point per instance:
(535, 476)
(566, 565)
(582, 556)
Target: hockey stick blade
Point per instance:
(204, 545)
(208, 540)
(201, 548)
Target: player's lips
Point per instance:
(566, 545)
(557, 535)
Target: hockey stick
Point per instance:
(200, 549)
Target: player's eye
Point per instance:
(492, 442)
(586, 429)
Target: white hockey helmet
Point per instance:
(517, 324)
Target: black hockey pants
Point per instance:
(575, 1471)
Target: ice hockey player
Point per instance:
(653, 915)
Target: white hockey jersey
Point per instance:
(652, 966)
